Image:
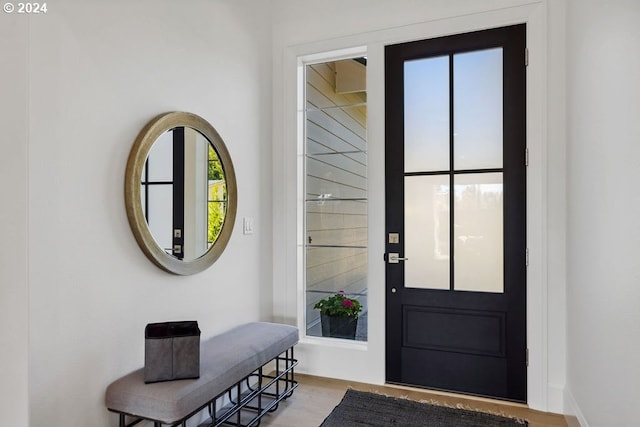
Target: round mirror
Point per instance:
(180, 192)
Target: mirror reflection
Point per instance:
(180, 192)
(183, 193)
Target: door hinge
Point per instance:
(526, 57)
(526, 156)
(527, 257)
(527, 357)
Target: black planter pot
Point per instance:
(338, 327)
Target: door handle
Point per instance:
(395, 258)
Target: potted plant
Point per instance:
(339, 315)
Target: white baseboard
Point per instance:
(573, 409)
(555, 399)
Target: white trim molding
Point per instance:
(571, 407)
(368, 365)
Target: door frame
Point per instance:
(367, 364)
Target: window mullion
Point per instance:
(451, 177)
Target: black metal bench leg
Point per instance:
(212, 411)
(292, 381)
(239, 414)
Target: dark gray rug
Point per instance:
(359, 409)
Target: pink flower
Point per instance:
(347, 303)
(340, 292)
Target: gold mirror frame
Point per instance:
(135, 164)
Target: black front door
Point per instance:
(456, 213)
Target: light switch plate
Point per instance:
(247, 225)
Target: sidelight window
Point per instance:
(335, 186)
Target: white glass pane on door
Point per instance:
(426, 115)
(477, 104)
(478, 232)
(426, 235)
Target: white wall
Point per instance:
(84, 79)
(305, 28)
(603, 205)
(14, 288)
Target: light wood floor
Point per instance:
(315, 397)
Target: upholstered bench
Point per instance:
(232, 384)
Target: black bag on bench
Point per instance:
(171, 351)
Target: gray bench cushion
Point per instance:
(224, 360)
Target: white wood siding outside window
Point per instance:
(335, 186)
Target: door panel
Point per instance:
(455, 196)
(454, 330)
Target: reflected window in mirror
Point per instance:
(183, 193)
(217, 197)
